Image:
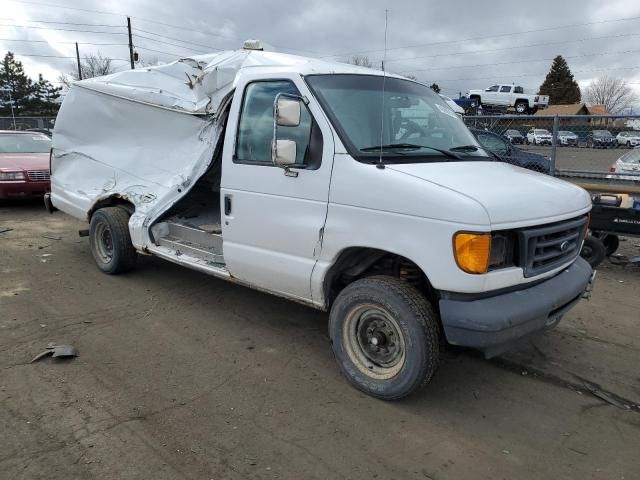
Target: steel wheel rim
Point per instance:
(104, 242)
(374, 342)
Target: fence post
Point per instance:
(554, 142)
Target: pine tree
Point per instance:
(45, 96)
(559, 84)
(14, 85)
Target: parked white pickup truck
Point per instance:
(329, 184)
(509, 96)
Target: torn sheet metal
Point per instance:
(57, 351)
(147, 135)
(195, 85)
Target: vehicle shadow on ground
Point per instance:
(462, 377)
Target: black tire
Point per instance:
(610, 242)
(362, 323)
(593, 251)
(522, 107)
(110, 240)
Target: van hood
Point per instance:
(512, 196)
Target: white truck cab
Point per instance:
(503, 95)
(350, 190)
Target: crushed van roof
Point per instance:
(198, 84)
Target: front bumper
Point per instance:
(496, 324)
(26, 189)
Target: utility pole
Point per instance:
(13, 114)
(78, 60)
(130, 43)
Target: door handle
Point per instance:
(227, 205)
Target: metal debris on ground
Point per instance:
(57, 351)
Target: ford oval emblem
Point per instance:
(564, 246)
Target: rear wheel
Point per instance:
(110, 240)
(593, 251)
(522, 107)
(385, 337)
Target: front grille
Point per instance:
(550, 246)
(38, 175)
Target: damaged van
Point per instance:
(350, 190)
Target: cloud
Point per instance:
(461, 45)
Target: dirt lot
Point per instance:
(184, 376)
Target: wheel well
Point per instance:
(521, 100)
(112, 201)
(359, 262)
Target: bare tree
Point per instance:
(92, 66)
(361, 61)
(612, 92)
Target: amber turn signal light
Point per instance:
(472, 251)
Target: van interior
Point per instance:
(192, 226)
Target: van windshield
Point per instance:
(407, 123)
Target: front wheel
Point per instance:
(110, 240)
(593, 251)
(385, 337)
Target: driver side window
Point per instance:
(255, 129)
(493, 88)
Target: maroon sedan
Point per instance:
(24, 164)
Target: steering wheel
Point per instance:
(410, 127)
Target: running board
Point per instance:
(182, 246)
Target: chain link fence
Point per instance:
(601, 148)
(27, 123)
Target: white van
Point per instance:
(349, 190)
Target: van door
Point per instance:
(273, 219)
(491, 95)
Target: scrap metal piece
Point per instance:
(57, 351)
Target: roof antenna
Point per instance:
(380, 164)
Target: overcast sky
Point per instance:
(459, 44)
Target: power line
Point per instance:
(520, 61)
(63, 23)
(559, 27)
(62, 56)
(176, 39)
(40, 4)
(158, 51)
(56, 42)
(483, 51)
(172, 44)
(59, 29)
(531, 74)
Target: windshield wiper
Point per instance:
(412, 146)
(391, 146)
(473, 148)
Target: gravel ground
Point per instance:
(184, 376)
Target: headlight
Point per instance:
(481, 252)
(11, 176)
(472, 251)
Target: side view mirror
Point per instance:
(283, 152)
(287, 112)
